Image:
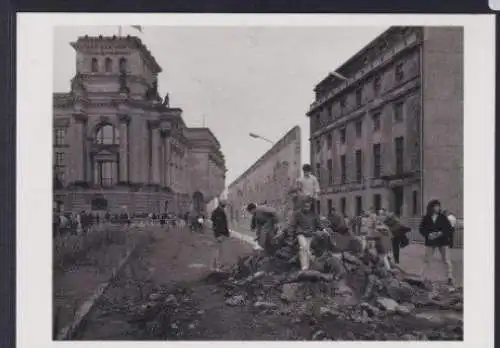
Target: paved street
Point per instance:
(412, 256)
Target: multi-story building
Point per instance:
(268, 180)
(387, 127)
(118, 145)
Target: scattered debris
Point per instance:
(344, 296)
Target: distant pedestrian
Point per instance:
(437, 231)
(308, 185)
(221, 234)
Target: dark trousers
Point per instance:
(395, 248)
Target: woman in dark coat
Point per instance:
(437, 231)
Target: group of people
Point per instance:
(381, 231)
(63, 223)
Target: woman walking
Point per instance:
(437, 231)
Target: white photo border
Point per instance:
(35, 34)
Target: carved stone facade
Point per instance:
(114, 138)
(391, 135)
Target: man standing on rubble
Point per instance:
(308, 185)
(304, 225)
(221, 233)
(264, 221)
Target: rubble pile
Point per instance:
(344, 296)
(167, 314)
(350, 285)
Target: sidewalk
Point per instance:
(411, 260)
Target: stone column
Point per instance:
(169, 164)
(156, 156)
(138, 157)
(162, 159)
(173, 170)
(124, 155)
(78, 150)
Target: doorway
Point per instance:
(398, 200)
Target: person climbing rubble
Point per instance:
(398, 231)
(304, 225)
(381, 239)
(264, 224)
(367, 225)
(337, 222)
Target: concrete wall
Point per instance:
(268, 179)
(443, 116)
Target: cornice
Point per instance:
(86, 44)
(396, 93)
(124, 118)
(373, 66)
(80, 117)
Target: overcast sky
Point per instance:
(241, 79)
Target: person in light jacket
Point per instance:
(308, 185)
(437, 231)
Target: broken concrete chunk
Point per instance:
(236, 300)
(387, 304)
(403, 310)
(370, 310)
(155, 296)
(415, 281)
(289, 292)
(319, 335)
(310, 275)
(265, 305)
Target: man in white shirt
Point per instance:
(308, 184)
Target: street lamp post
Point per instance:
(256, 136)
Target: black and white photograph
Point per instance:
(260, 180)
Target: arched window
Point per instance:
(108, 65)
(95, 65)
(123, 65)
(108, 135)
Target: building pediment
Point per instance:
(105, 155)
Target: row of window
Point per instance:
(376, 204)
(358, 156)
(105, 135)
(376, 84)
(358, 124)
(108, 65)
